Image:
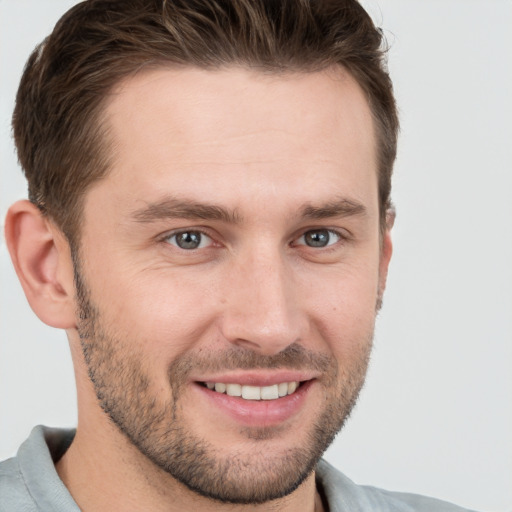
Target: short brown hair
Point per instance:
(62, 144)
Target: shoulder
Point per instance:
(343, 495)
(29, 481)
(14, 492)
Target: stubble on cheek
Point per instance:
(154, 421)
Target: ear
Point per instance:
(386, 251)
(42, 259)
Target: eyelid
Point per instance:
(171, 234)
(340, 234)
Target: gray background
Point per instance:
(436, 414)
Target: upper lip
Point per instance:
(258, 377)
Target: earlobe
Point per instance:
(42, 260)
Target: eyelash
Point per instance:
(330, 232)
(175, 234)
(341, 236)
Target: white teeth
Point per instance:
(282, 389)
(269, 392)
(220, 387)
(233, 389)
(292, 386)
(255, 392)
(251, 392)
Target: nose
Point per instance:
(262, 305)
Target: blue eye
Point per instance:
(319, 238)
(189, 240)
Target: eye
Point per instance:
(189, 240)
(319, 238)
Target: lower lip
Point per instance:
(258, 413)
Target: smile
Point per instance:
(254, 392)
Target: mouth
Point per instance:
(256, 400)
(248, 392)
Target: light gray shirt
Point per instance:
(30, 483)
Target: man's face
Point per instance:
(235, 245)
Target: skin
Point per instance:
(283, 156)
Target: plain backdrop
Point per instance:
(435, 416)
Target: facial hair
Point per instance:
(123, 385)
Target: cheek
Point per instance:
(344, 309)
(166, 311)
(163, 312)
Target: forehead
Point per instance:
(239, 130)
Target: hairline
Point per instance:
(105, 144)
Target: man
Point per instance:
(209, 221)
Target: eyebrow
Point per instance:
(174, 208)
(338, 208)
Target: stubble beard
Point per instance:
(158, 430)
